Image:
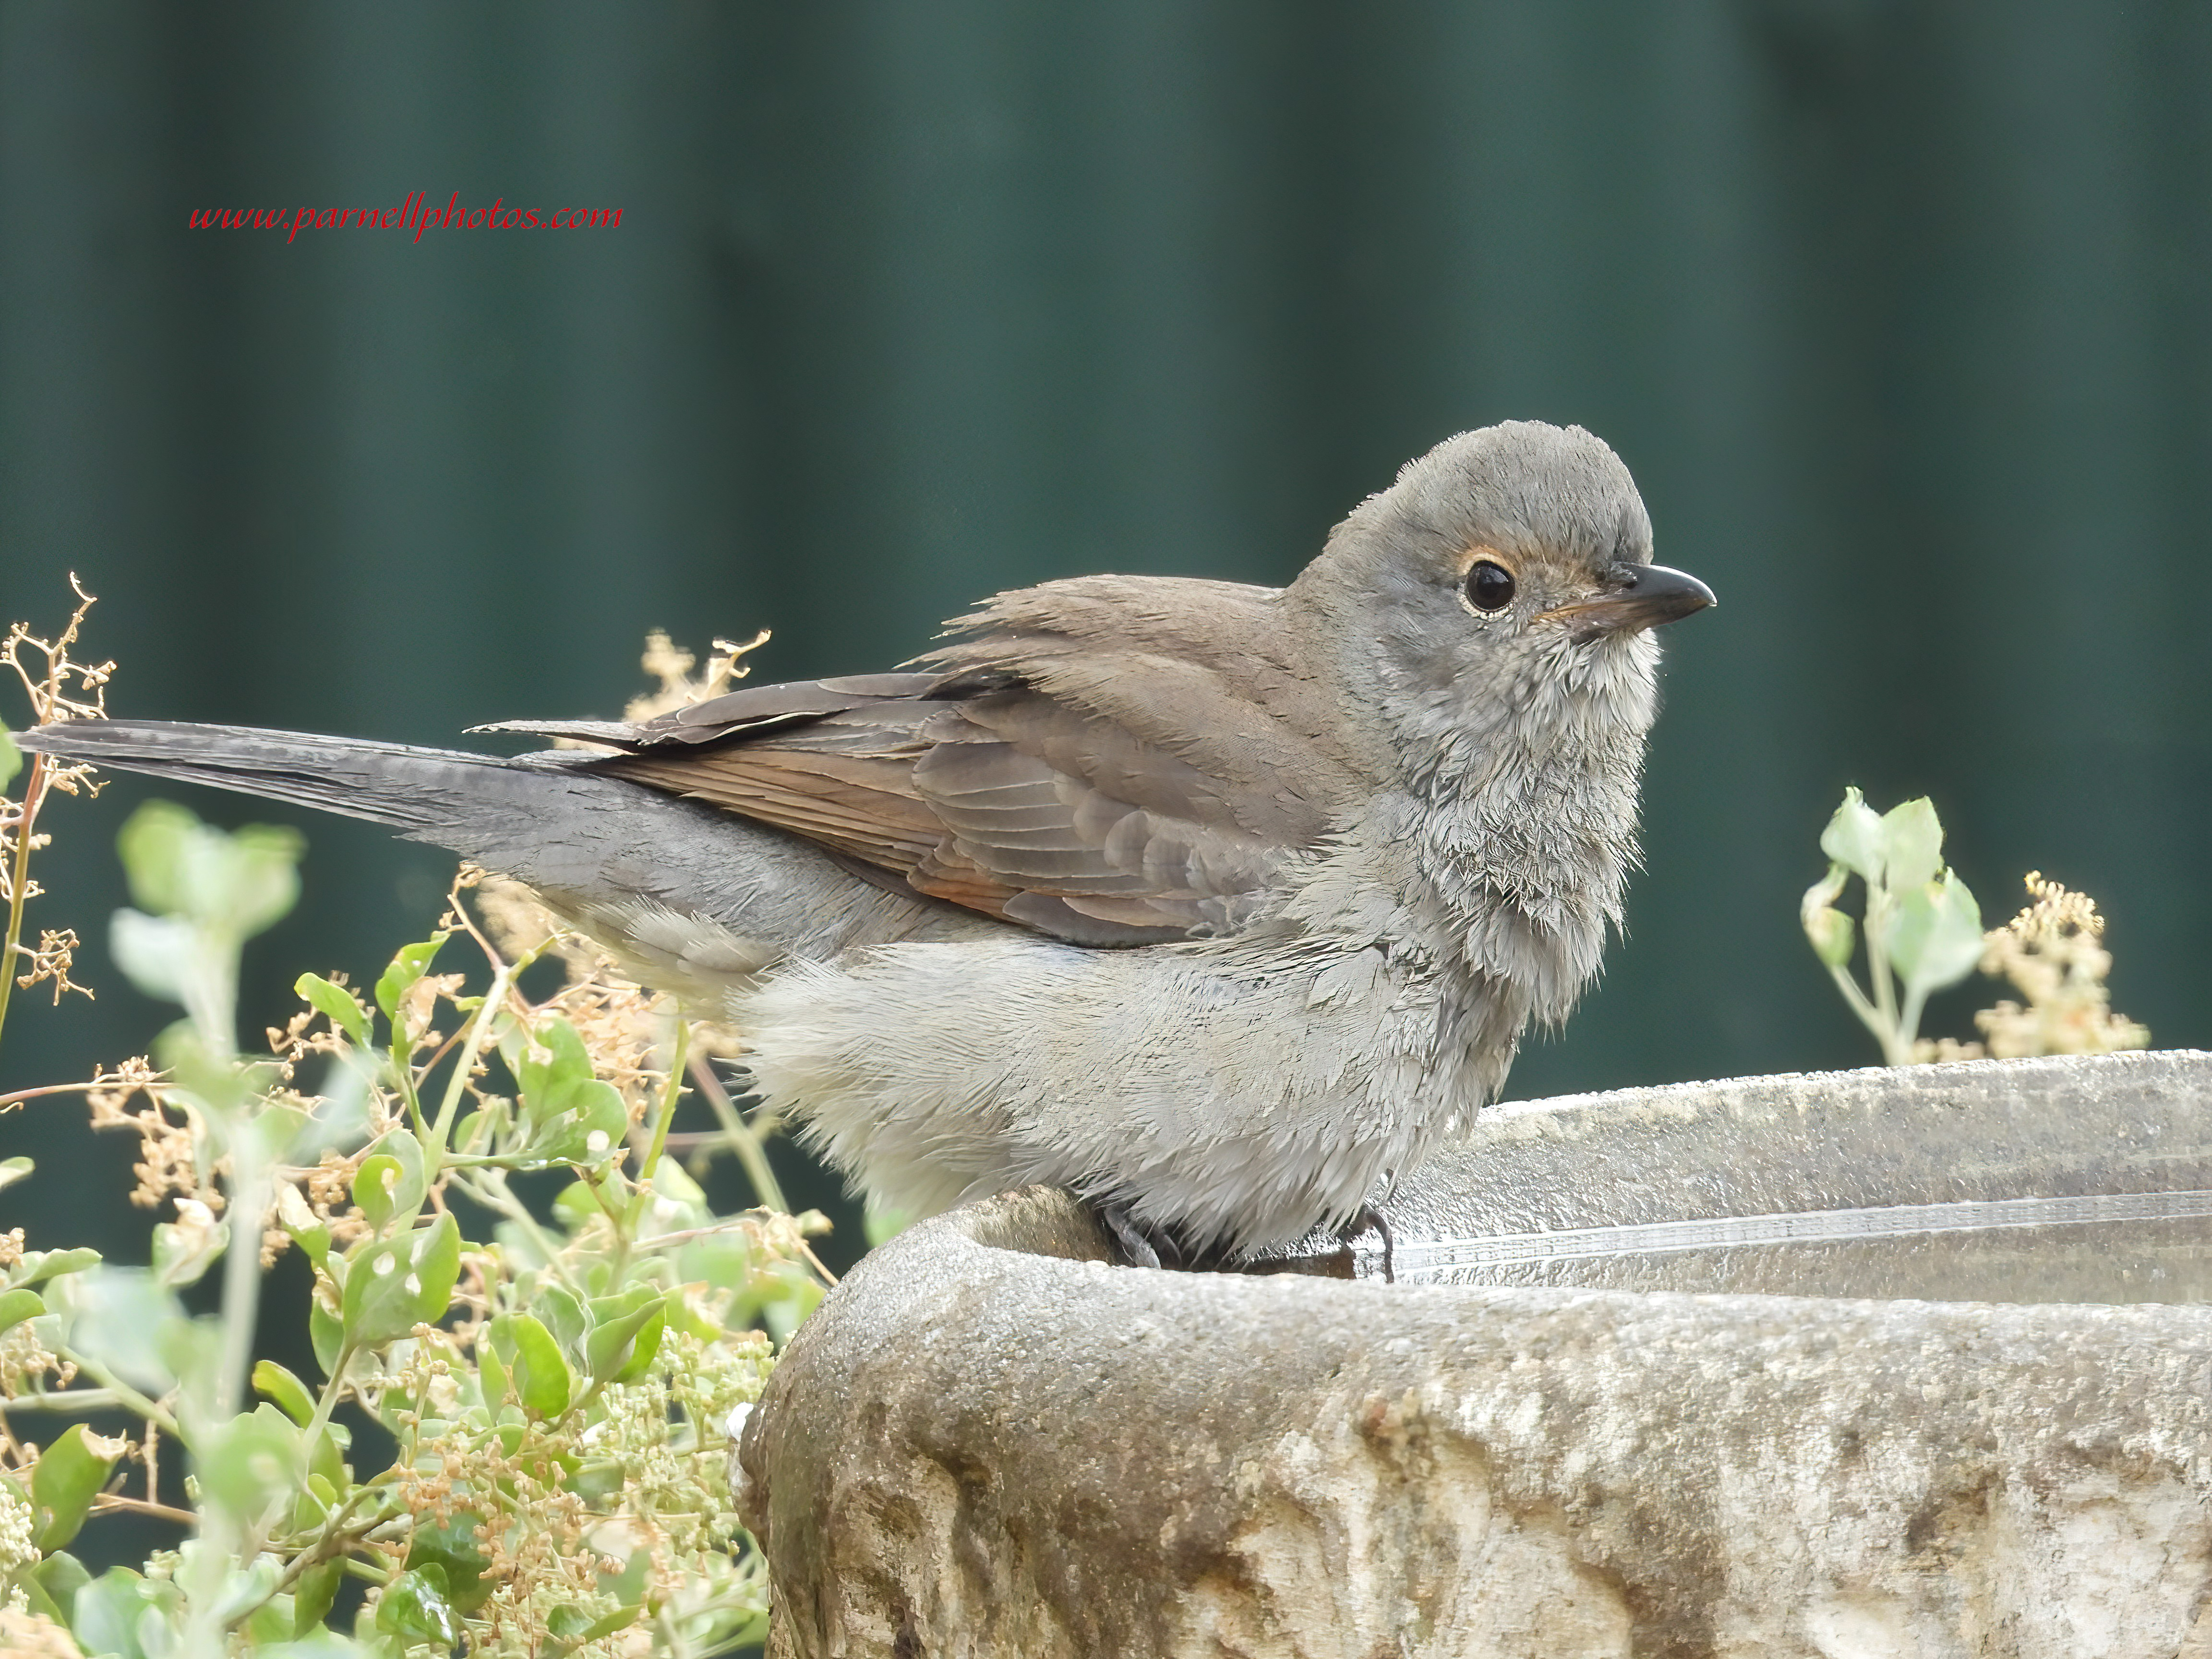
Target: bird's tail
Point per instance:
(442, 796)
(696, 899)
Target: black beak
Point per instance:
(1652, 594)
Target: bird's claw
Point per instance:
(1367, 1219)
(1137, 1250)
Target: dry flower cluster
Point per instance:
(2054, 955)
(59, 688)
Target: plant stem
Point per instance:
(456, 1086)
(1908, 1025)
(19, 879)
(669, 1096)
(67, 1399)
(110, 1503)
(17, 1097)
(743, 1140)
(403, 1078)
(1869, 1015)
(333, 1389)
(1885, 985)
(126, 1396)
(242, 1266)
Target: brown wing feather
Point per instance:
(861, 806)
(1079, 766)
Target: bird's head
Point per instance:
(1499, 595)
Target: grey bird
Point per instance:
(1219, 905)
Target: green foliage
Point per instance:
(272, 1382)
(1923, 930)
(68, 1475)
(18, 1305)
(406, 972)
(234, 883)
(558, 1390)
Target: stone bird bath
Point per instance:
(1885, 1363)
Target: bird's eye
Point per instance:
(1489, 585)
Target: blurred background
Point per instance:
(1897, 311)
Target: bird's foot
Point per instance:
(1367, 1219)
(1137, 1249)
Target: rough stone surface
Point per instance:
(990, 1441)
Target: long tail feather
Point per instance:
(700, 898)
(425, 793)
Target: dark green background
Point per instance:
(1897, 311)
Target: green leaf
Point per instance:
(406, 972)
(574, 1207)
(683, 1316)
(272, 1382)
(37, 1599)
(1833, 934)
(625, 1334)
(881, 1223)
(599, 1482)
(271, 1626)
(537, 1372)
(1828, 928)
(252, 1464)
(491, 1373)
(11, 758)
(337, 1121)
(238, 882)
(671, 1185)
(644, 1348)
(326, 1333)
(336, 1003)
(630, 1585)
(16, 1306)
(570, 1115)
(247, 1588)
(152, 843)
(120, 1317)
(390, 1185)
(573, 1627)
(192, 1349)
(1936, 937)
(313, 1592)
(70, 1472)
(184, 1249)
(260, 879)
(305, 1226)
(414, 1607)
(326, 1456)
(437, 1256)
(41, 1265)
(12, 1169)
(159, 955)
(1912, 845)
(394, 1284)
(793, 1295)
(105, 1614)
(451, 1545)
(563, 1316)
(1853, 837)
(60, 1575)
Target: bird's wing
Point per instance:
(1108, 785)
